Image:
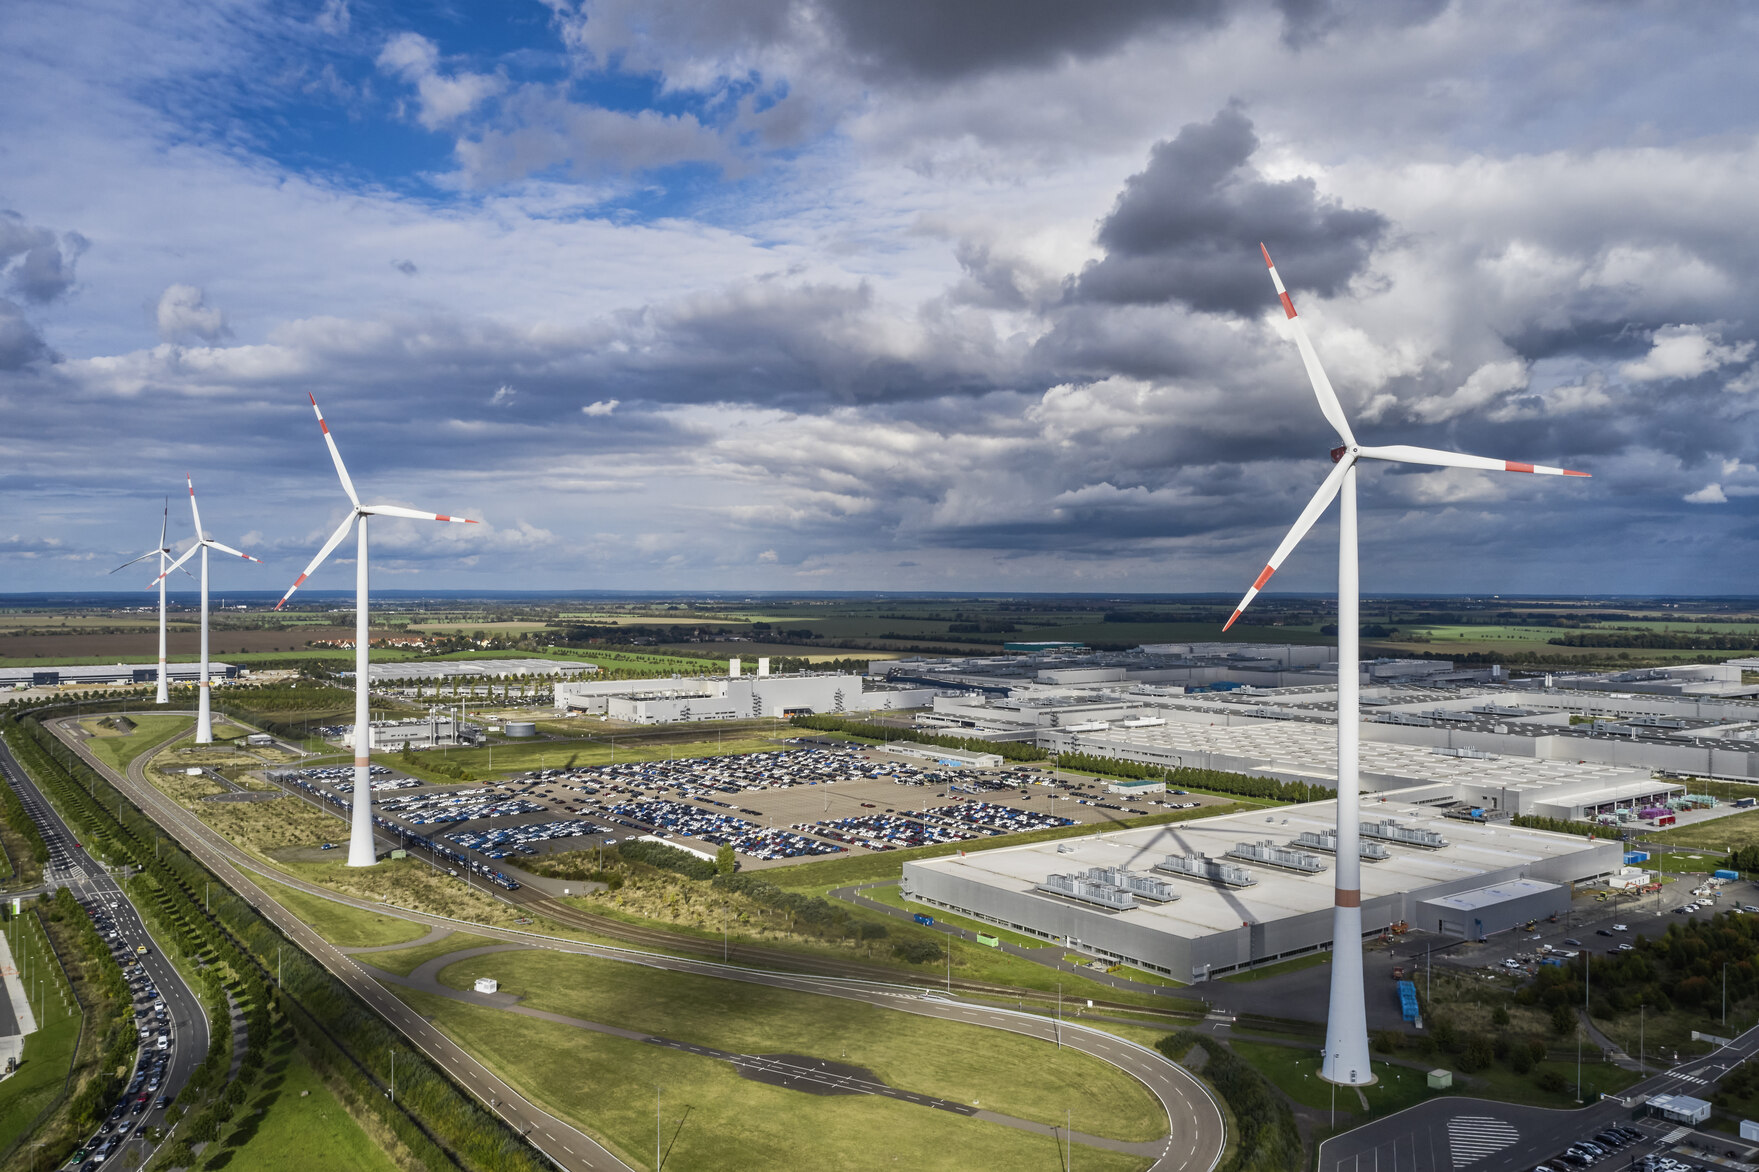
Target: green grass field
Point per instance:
(404, 961)
(304, 1127)
(340, 924)
(712, 1118)
(48, 1054)
(119, 750)
(1296, 1071)
(1007, 1072)
(1718, 834)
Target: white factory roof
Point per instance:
(443, 669)
(1280, 745)
(1483, 897)
(1203, 910)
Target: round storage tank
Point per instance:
(521, 728)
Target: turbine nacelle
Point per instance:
(1348, 453)
(359, 512)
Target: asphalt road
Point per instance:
(1454, 1132)
(1194, 1144)
(71, 866)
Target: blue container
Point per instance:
(1727, 874)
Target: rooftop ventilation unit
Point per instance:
(1327, 841)
(1206, 869)
(1141, 886)
(1079, 887)
(1272, 855)
(1390, 831)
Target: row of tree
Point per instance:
(1215, 780)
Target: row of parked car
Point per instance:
(152, 1057)
(1585, 1152)
(502, 841)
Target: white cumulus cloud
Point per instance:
(1685, 351)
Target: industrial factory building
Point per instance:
(112, 673)
(1199, 899)
(735, 696)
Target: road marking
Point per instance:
(1474, 1137)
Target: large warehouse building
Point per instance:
(1199, 899)
(731, 697)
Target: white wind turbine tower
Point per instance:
(360, 835)
(163, 553)
(204, 721)
(1346, 1031)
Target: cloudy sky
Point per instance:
(828, 294)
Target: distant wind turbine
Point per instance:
(204, 721)
(360, 834)
(1346, 1031)
(163, 553)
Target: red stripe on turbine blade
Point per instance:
(1572, 472)
(1512, 466)
(296, 583)
(1288, 306)
(1266, 252)
(1233, 620)
(441, 517)
(1263, 577)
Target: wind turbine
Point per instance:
(1346, 1031)
(163, 553)
(360, 834)
(204, 721)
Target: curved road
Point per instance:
(1196, 1138)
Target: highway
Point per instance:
(1194, 1144)
(71, 866)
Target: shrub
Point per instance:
(917, 951)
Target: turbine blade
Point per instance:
(176, 565)
(413, 514)
(335, 540)
(341, 469)
(1328, 398)
(164, 522)
(143, 557)
(235, 553)
(194, 512)
(1327, 492)
(1406, 454)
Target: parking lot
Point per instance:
(773, 807)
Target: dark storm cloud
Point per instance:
(20, 344)
(935, 40)
(38, 264)
(896, 41)
(1305, 21)
(1188, 227)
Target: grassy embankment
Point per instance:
(49, 1052)
(304, 1126)
(729, 1122)
(342, 924)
